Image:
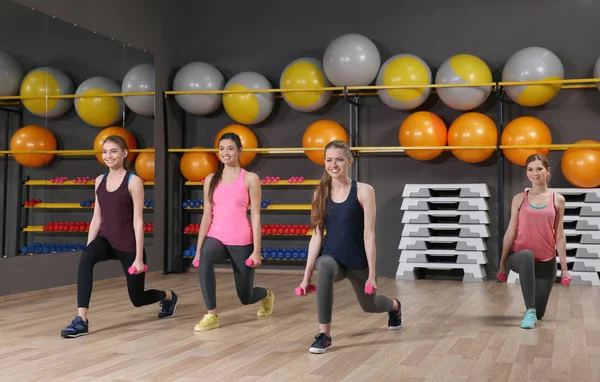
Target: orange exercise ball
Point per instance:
(144, 166)
(473, 129)
(196, 166)
(525, 131)
(248, 138)
(320, 134)
(115, 130)
(581, 166)
(33, 138)
(423, 128)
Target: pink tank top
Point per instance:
(230, 224)
(535, 230)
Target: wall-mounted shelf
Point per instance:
(273, 207)
(278, 183)
(67, 183)
(65, 206)
(39, 228)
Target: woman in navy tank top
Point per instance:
(343, 244)
(117, 233)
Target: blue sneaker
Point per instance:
(169, 306)
(529, 320)
(77, 328)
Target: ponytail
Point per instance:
(214, 181)
(319, 205)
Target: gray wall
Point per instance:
(266, 37)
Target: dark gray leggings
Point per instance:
(536, 277)
(329, 271)
(212, 250)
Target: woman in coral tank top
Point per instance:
(534, 234)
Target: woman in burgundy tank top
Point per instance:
(534, 235)
(116, 233)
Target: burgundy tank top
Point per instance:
(117, 215)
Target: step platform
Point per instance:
(583, 251)
(472, 272)
(466, 190)
(582, 237)
(578, 278)
(445, 230)
(581, 223)
(454, 204)
(451, 217)
(582, 209)
(451, 243)
(586, 195)
(443, 256)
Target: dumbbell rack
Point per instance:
(445, 227)
(582, 230)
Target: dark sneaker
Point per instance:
(168, 306)
(395, 317)
(77, 328)
(321, 344)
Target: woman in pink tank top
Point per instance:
(226, 232)
(534, 235)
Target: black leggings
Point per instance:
(213, 250)
(536, 278)
(100, 250)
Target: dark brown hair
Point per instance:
(319, 205)
(217, 177)
(119, 141)
(541, 158)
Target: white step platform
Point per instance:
(446, 256)
(453, 243)
(441, 216)
(582, 209)
(584, 251)
(454, 204)
(472, 272)
(467, 190)
(578, 278)
(445, 230)
(583, 237)
(582, 223)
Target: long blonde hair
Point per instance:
(323, 191)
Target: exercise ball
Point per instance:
(140, 78)
(42, 82)
(525, 131)
(248, 138)
(33, 138)
(423, 128)
(351, 60)
(99, 111)
(305, 73)
(11, 74)
(581, 166)
(198, 76)
(115, 130)
(144, 166)
(464, 69)
(532, 64)
(473, 129)
(248, 108)
(195, 166)
(404, 70)
(318, 135)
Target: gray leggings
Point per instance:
(536, 277)
(212, 250)
(330, 272)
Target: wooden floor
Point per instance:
(452, 331)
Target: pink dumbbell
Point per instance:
(132, 269)
(250, 262)
(311, 288)
(196, 263)
(502, 277)
(369, 289)
(565, 281)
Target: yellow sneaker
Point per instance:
(266, 305)
(209, 322)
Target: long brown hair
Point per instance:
(119, 141)
(541, 158)
(319, 205)
(217, 177)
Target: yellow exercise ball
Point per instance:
(42, 82)
(305, 73)
(97, 110)
(404, 70)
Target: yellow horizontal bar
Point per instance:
(64, 205)
(67, 183)
(39, 228)
(275, 207)
(549, 82)
(279, 183)
(66, 152)
(72, 96)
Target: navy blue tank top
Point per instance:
(345, 226)
(117, 215)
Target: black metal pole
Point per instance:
(5, 186)
(165, 175)
(184, 193)
(500, 175)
